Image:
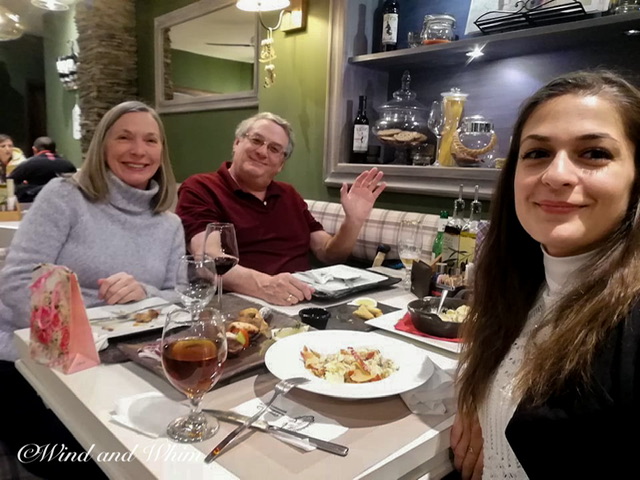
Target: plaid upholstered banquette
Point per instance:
(381, 227)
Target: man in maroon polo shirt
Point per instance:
(274, 228)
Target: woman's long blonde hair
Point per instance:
(510, 273)
(92, 178)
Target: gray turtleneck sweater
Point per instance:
(94, 240)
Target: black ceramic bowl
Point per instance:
(432, 324)
(316, 317)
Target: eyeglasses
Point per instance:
(258, 141)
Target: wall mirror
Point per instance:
(206, 58)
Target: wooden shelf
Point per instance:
(583, 33)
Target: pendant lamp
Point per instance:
(262, 5)
(10, 27)
(53, 5)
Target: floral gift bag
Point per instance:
(61, 336)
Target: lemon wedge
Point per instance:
(365, 301)
(278, 333)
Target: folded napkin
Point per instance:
(434, 397)
(101, 340)
(148, 413)
(288, 414)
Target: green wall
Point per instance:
(59, 32)
(214, 75)
(200, 141)
(20, 64)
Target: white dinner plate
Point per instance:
(414, 366)
(388, 321)
(118, 328)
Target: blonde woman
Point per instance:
(110, 225)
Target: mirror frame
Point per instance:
(346, 82)
(244, 99)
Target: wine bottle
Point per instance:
(451, 237)
(389, 26)
(469, 233)
(436, 249)
(360, 133)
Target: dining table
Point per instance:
(385, 439)
(7, 231)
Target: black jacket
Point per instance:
(593, 434)
(34, 173)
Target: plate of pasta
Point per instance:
(350, 364)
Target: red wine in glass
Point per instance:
(224, 264)
(220, 243)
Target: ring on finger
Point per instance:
(470, 450)
(289, 298)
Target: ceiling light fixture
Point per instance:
(292, 17)
(53, 5)
(262, 5)
(10, 27)
(293, 13)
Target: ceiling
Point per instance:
(228, 27)
(225, 26)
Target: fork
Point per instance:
(281, 388)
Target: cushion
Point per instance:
(382, 226)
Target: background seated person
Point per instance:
(274, 228)
(35, 173)
(10, 156)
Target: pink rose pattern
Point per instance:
(50, 315)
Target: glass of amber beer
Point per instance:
(194, 349)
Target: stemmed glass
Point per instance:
(194, 349)
(220, 244)
(409, 247)
(196, 281)
(435, 123)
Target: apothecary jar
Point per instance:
(438, 29)
(474, 142)
(403, 120)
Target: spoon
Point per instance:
(442, 299)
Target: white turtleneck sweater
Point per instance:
(93, 239)
(496, 411)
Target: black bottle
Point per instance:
(389, 26)
(360, 133)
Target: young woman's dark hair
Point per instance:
(510, 273)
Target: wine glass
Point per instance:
(194, 349)
(435, 123)
(409, 247)
(196, 281)
(220, 244)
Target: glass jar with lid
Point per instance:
(452, 106)
(474, 142)
(438, 29)
(403, 120)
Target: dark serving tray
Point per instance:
(386, 282)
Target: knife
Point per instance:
(264, 426)
(128, 316)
